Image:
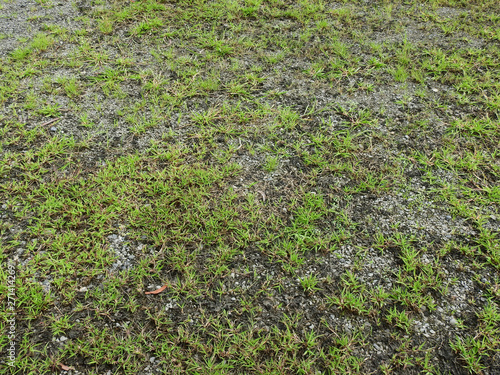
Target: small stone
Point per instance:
(152, 359)
(453, 322)
(83, 289)
(53, 128)
(63, 338)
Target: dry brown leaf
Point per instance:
(64, 367)
(158, 290)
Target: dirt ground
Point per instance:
(315, 183)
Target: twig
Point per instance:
(239, 139)
(263, 195)
(50, 121)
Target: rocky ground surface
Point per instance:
(315, 183)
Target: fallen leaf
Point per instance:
(64, 367)
(158, 290)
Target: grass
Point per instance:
(306, 187)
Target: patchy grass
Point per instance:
(252, 186)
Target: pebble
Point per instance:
(83, 289)
(45, 285)
(453, 322)
(53, 128)
(125, 257)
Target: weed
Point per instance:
(309, 283)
